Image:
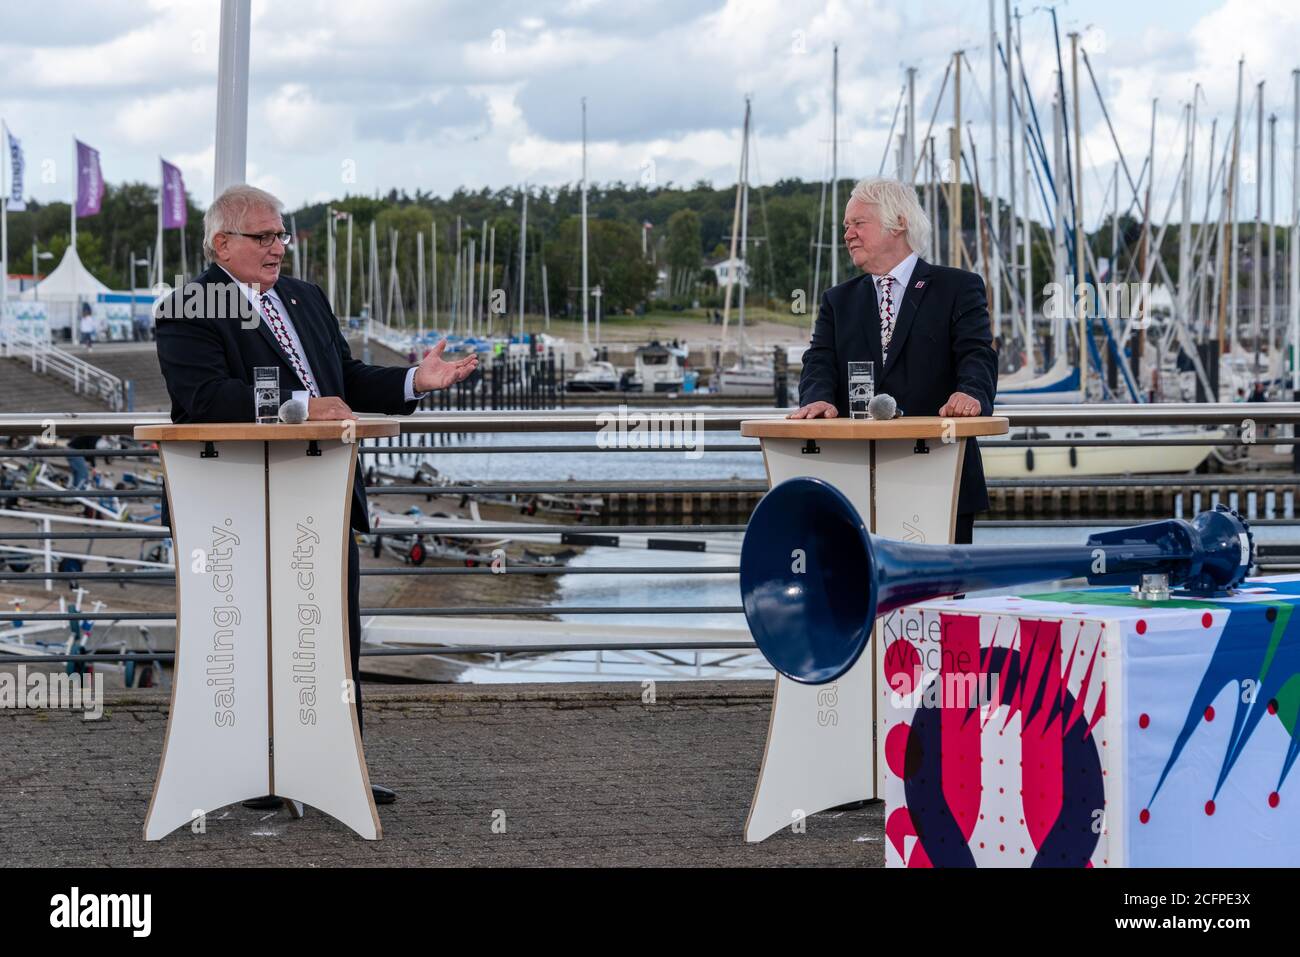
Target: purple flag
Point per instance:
(174, 206)
(15, 187)
(90, 184)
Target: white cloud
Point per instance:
(414, 94)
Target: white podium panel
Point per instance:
(215, 751)
(316, 744)
(824, 745)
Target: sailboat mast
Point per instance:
(1272, 228)
(585, 340)
(1256, 251)
(480, 316)
(995, 224)
(347, 283)
(1229, 291)
(835, 160)
(909, 128)
(1011, 246)
(744, 235)
(954, 155)
(523, 258)
(735, 229)
(1079, 274)
(1185, 230)
(419, 283)
(1294, 245)
(1058, 237)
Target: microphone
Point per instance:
(295, 410)
(883, 406)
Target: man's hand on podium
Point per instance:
(959, 404)
(815, 410)
(435, 372)
(328, 408)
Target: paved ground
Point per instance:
(586, 774)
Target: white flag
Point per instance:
(16, 202)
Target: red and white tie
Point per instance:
(886, 284)
(282, 336)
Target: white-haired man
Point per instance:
(925, 327)
(242, 313)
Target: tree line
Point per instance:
(688, 227)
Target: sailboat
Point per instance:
(752, 374)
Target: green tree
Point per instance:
(683, 252)
(614, 263)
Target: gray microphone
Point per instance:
(293, 411)
(882, 406)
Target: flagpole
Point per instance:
(4, 220)
(76, 176)
(162, 188)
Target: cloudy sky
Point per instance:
(358, 97)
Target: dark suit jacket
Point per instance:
(942, 344)
(208, 358)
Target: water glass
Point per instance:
(862, 388)
(266, 393)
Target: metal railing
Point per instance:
(458, 431)
(48, 359)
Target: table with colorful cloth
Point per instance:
(1093, 728)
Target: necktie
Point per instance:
(886, 284)
(282, 336)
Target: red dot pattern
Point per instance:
(1144, 720)
(1142, 626)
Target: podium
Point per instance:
(262, 698)
(902, 475)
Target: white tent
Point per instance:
(70, 284)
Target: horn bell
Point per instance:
(807, 580)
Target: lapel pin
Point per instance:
(294, 302)
(920, 284)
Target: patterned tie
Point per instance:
(886, 284)
(282, 336)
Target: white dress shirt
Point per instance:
(256, 300)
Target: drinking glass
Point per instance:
(862, 387)
(266, 393)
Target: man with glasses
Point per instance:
(252, 316)
(925, 327)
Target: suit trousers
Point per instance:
(354, 621)
(964, 534)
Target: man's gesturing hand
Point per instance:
(435, 372)
(815, 410)
(328, 408)
(960, 404)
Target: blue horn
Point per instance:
(814, 580)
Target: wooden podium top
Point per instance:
(913, 427)
(271, 432)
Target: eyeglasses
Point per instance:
(263, 239)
